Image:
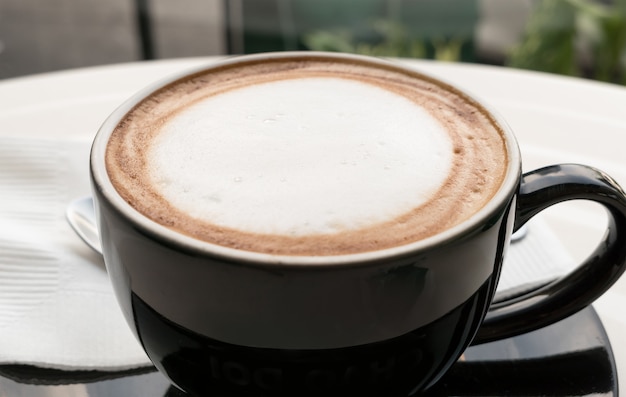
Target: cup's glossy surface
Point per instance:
(388, 289)
(203, 366)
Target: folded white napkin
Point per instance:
(57, 309)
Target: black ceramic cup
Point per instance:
(391, 322)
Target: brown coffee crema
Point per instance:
(477, 171)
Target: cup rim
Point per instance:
(102, 183)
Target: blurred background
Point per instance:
(585, 38)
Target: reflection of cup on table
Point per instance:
(318, 223)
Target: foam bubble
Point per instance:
(300, 156)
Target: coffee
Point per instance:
(307, 155)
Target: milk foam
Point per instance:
(300, 156)
(307, 155)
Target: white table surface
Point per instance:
(556, 119)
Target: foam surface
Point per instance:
(307, 155)
(300, 156)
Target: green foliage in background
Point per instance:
(577, 38)
(585, 38)
(391, 39)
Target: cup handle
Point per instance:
(574, 291)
